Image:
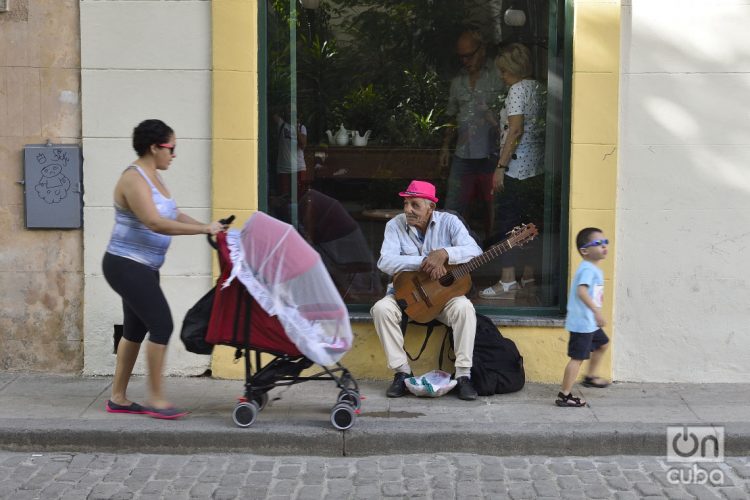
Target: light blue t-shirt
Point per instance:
(580, 318)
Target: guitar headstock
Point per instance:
(520, 235)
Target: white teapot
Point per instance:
(360, 140)
(341, 138)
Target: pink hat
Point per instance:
(420, 189)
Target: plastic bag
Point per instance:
(432, 384)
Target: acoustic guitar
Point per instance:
(423, 298)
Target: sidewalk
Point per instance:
(47, 412)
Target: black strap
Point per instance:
(430, 327)
(404, 317)
(449, 334)
(404, 324)
(424, 344)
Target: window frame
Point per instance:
(563, 38)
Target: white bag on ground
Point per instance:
(432, 384)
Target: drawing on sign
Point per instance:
(53, 186)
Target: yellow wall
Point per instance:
(594, 135)
(235, 125)
(593, 176)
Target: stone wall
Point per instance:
(41, 271)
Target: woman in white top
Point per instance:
(290, 166)
(518, 178)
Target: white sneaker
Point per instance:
(501, 291)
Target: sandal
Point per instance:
(597, 382)
(501, 291)
(133, 408)
(165, 413)
(569, 400)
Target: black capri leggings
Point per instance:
(144, 306)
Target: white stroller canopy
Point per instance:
(288, 279)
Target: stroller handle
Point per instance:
(228, 221)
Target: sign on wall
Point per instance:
(53, 192)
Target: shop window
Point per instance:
(359, 97)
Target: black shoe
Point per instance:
(398, 386)
(466, 391)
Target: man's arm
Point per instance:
(463, 247)
(434, 263)
(391, 258)
(450, 130)
(445, 150)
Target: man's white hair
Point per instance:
(431, 204)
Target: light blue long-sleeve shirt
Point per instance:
(404, 250)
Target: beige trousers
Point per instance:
(458, 313)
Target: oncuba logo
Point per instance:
(699, 443)
(692, 444)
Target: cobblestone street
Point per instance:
(444, 476)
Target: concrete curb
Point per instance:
(533, 439)
(366, 438)
(173, 438)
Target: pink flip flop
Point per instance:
(133, 408)
(165, 413)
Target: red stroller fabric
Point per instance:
(237, 320)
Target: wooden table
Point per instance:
(376, 162)
(382, 214)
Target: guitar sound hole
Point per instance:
(447, 280)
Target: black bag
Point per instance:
(497, 365)
(195, 325)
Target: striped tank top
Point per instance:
(133, 240)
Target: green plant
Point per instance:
(418, 117)
(362, 108)
(318, 82)
(386, 69)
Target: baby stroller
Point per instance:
(274, 296)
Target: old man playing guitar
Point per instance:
(424, 240)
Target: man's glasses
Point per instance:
(170, 147)
(466, 57)
(596, 243)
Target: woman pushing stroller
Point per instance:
(146, 218)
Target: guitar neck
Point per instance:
(480, 260)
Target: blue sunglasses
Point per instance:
(596, 243)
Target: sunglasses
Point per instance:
(170, 147)
(596, 243)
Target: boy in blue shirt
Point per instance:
(584, 319)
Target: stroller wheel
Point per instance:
(262, 400)
(350, 396)
(343, 416)
(244, 414)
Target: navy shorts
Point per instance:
(581, 345)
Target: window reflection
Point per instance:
(364, 96)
